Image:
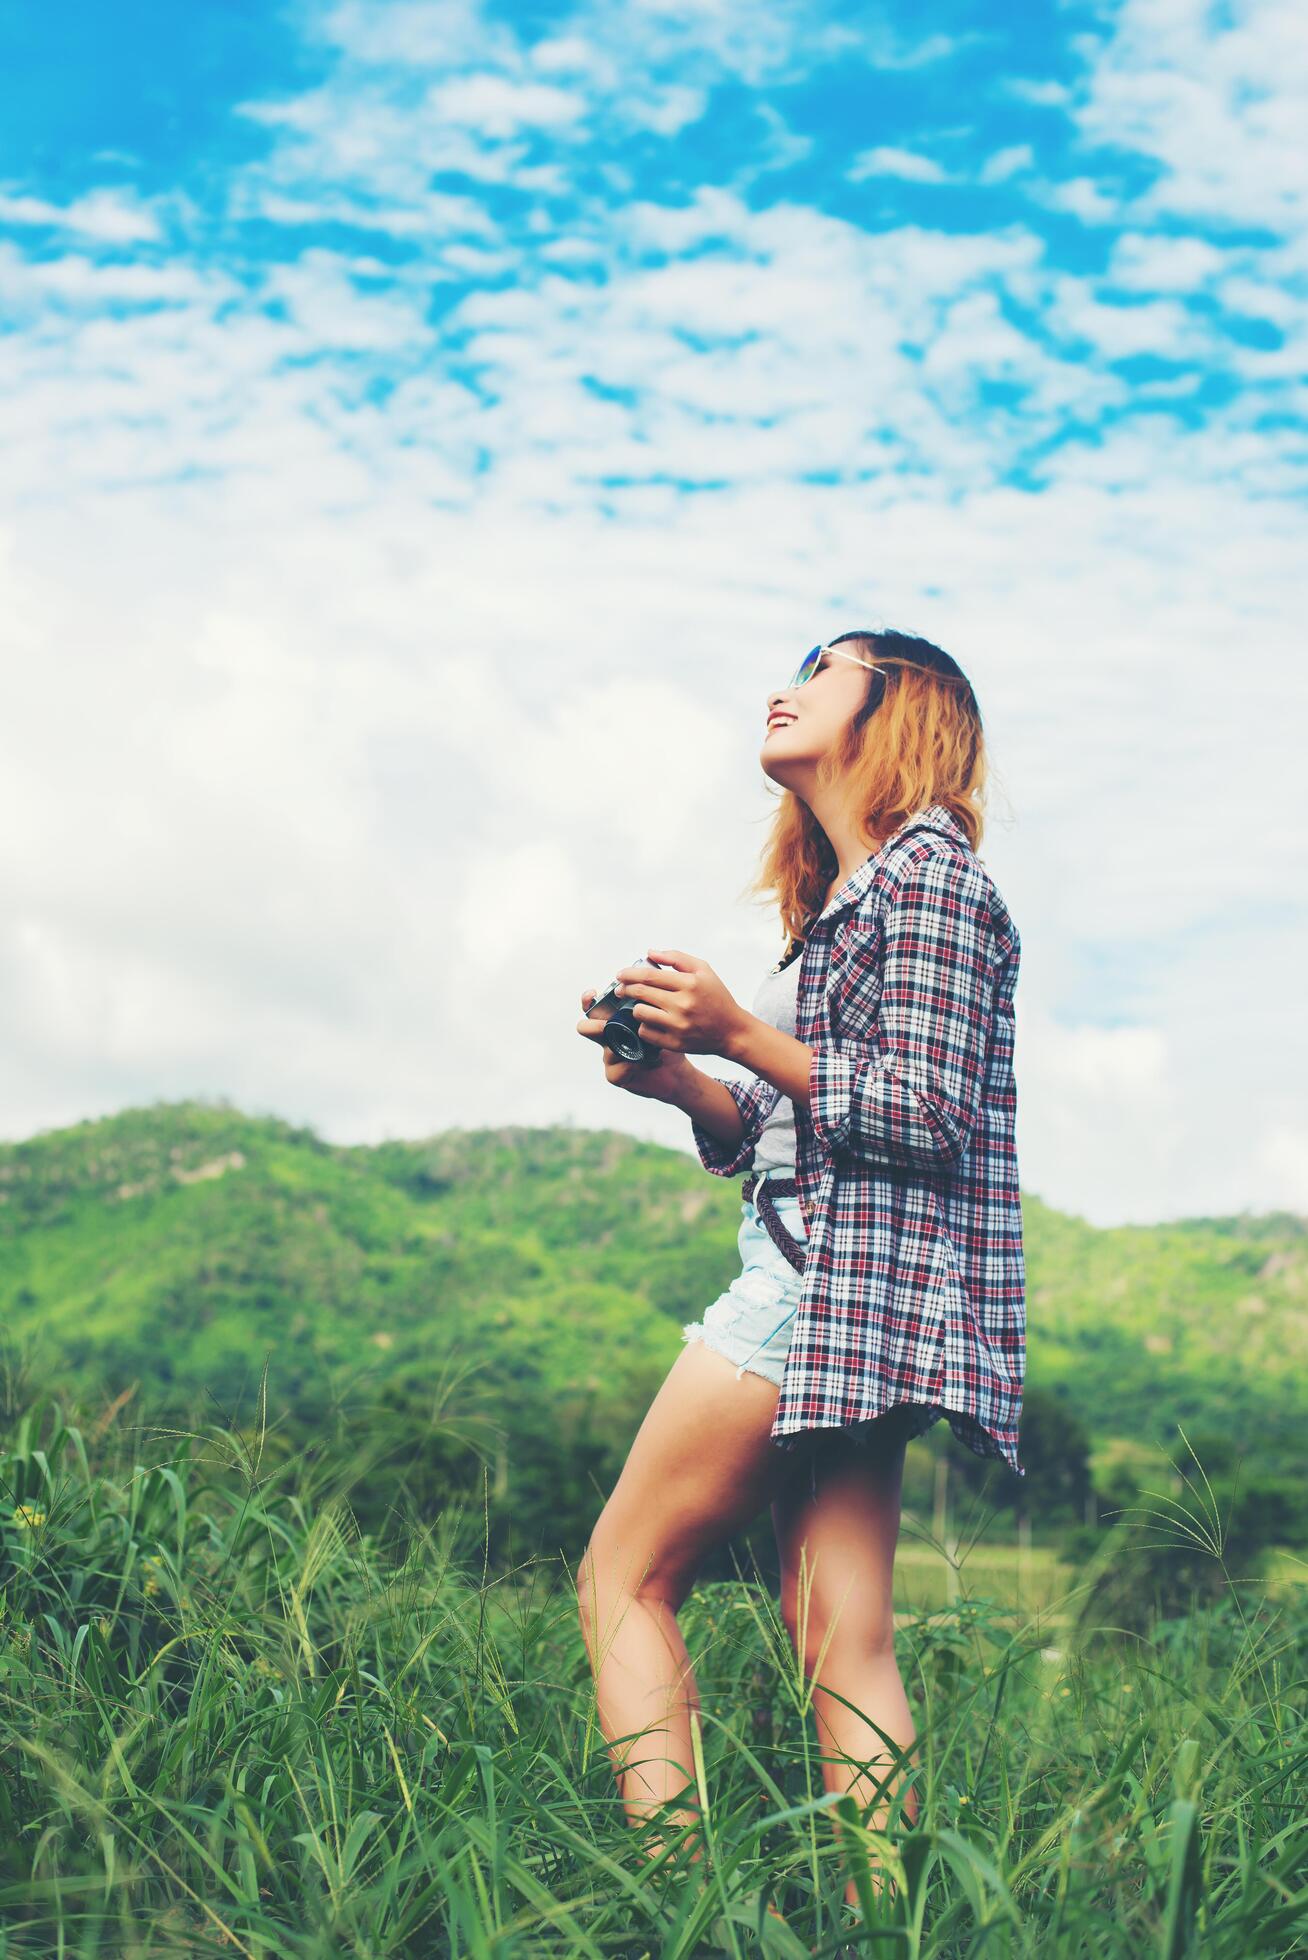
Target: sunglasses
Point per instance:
(933, 660)
(808, 666)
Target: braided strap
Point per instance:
(778, 1231)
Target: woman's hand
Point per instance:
(660, 1083)
(682, 1006)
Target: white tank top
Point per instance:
(775, 1003)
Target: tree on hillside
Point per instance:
(1054, 1449)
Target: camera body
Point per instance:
(621, 1029)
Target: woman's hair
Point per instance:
(916, 740)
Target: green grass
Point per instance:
(233, 1723)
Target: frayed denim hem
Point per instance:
(695, 1331)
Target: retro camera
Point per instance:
(621, 1029)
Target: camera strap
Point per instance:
(762, 1188)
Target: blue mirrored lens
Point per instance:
(807, 667)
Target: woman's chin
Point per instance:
(779, 768)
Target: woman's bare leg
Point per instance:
(702, 1466)
(837, 1548)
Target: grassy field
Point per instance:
(302, 1676)
(232, 1723)
(1027, 1583)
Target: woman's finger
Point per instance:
(653, 1014)
(647, 988)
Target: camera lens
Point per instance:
(622, 1035)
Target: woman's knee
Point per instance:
(858, 1627)
(800, 1616)
(599, 1597)
(616, 1566)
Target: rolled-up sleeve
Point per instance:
(916, 1103)
(754, 1099)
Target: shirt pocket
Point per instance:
(856, 979)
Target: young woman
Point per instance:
(882, 1281)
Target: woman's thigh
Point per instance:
(836, 1518)
(702, 1465)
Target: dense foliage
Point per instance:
(233, 1722)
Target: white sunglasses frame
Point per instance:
(838, 653)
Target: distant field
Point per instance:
(1022, 1581)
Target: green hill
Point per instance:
(1201, 1321)
(180, 1246)
(183, 1243)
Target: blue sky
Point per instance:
(426, 425)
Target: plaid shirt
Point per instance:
(914, 1286)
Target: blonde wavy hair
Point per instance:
(916, 740)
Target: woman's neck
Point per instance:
(842, 877)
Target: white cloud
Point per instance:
(890, 53)
(496, 107)
(1082, 198)
(1041, 94)
(325, 305)
(1157, 264)
(1004, 164)
(427, 216)
(1105, 1093)
(784, 147)
(568, 54)
(1283, 1164)
(110, 217)
(1218, 101)
(386, 601)
(888, 162)
(80, 282)
(1118, 331)
(667, 110)
(1260, 299)
(1126, 1066)
(309, 750)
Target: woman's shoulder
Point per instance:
(933, 868)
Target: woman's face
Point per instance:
(811, 719)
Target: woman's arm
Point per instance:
(776, 1056)
(725, 1117)
(707, 1101)
(918, 1102)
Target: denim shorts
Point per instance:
(752, 1322)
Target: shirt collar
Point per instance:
(934, 817)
